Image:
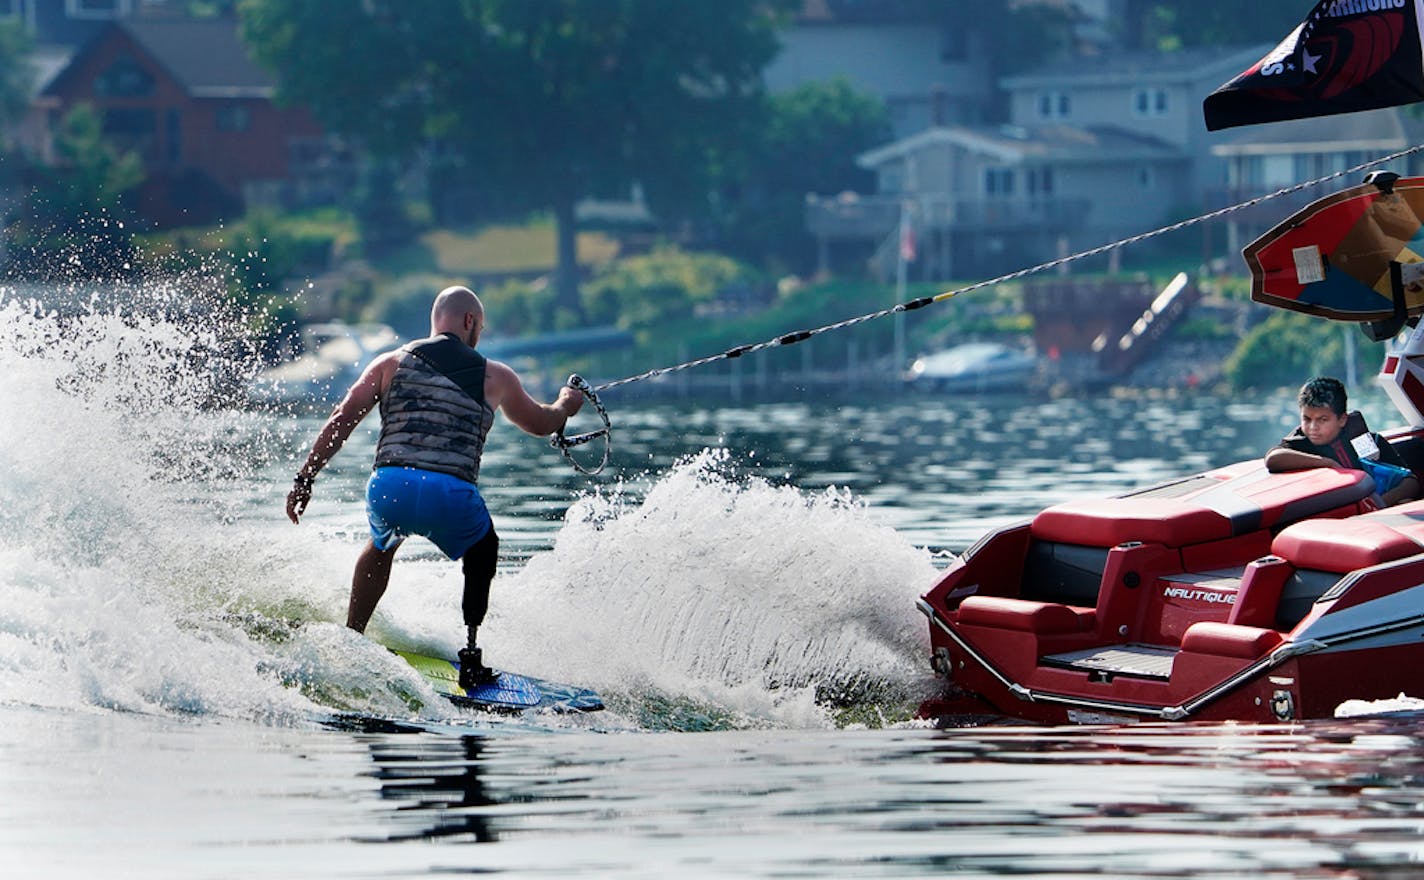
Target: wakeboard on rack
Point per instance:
(1333, 258)
(507, 693)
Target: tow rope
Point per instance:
(591, 391)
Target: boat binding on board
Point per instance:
(1235, 594)
(509, 692)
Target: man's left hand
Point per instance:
(298, 499)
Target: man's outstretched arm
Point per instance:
(506, 393)
(360, 399)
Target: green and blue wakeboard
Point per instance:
(507, 693)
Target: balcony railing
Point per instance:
(853, 216)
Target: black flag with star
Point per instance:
(1347, 55)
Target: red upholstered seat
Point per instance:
(1343, 545)
(1021, 614)
(1219, 504)
(1229, 640)
(1107, 522)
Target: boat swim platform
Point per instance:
(1139, 661)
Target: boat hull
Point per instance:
(1232, 595)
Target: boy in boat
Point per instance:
(1329, 436)
(438, 398)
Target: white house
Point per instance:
(1097, 148)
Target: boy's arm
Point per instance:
(1283, 458)
(1406, 490)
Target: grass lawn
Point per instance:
(509, 249)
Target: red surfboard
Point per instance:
(1332, 257)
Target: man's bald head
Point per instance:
(457, 310)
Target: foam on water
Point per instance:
(728, 589)
(702, 599)
(124, 565)
(146, 565)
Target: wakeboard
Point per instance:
(509, 692)
(1332, 257)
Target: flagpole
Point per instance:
(901, 271)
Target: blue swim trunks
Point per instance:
(403, 501)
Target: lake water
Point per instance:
(179, 699)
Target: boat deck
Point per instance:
(1143, 661)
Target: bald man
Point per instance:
(438, 398)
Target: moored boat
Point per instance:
(333, 356)
(973, 367)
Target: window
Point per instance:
(1054, 105)
(124, 79)
(96, 8)
(234, 117)
(1149, 102)
(998, 181)
(892, 177)
(173, 135)
(1277, 171)
(132, 129)
(1039, 181)
(953, 43)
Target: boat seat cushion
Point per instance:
(1223, 503)
(1002, 612)
(1229, 639)
(1343, 545)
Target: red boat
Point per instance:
(1232, 594)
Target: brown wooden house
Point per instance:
(185, 95)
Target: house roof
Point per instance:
(1013, 144)
(1369, 131)
(204, 56)
(1217, 64)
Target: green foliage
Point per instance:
(807, 144)
(260, 258)
(1201, 328)
(1287, 348)
(1172, 24)
(541, 103)
(519, 308)
(16, 73)
(645, 292)
(1024, 35)
(75, 222)
(380, 209)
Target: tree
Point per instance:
(1288, 345)
(544, 102)
(16, 74)
(75, 220)
(806, 143)
(1174, 24)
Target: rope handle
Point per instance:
(564, 444)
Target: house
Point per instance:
(929, 65)
(184, 94)
(1265, 159)
(1097, 148)
(990, 199)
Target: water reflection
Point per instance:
(434, 783)
(1325, 799)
